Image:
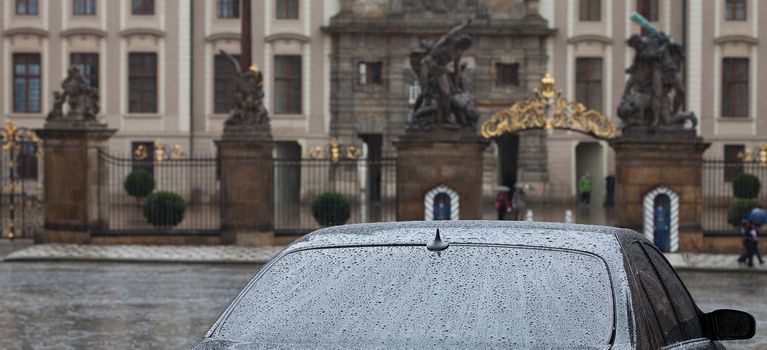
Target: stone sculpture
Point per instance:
(443, 102)
(654, 94)
(249, 111)
(81, 99)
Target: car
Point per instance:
(470, 285)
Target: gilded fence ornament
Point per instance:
(141, 153)
(548, 109)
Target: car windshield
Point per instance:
(405, 296)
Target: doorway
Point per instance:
(508, 157)
(589, 158)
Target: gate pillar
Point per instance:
(247, 191)
(671, 160)
(425, 161)
(72, 178)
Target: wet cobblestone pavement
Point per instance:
(112, 306)
(167, 306)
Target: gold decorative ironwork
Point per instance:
(14, 142)
(317, 152)
(548, 109)
(336, 151)
(161, 153)
(747, 155)
(141, 153)
(353, 152)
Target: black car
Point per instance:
(471, 285)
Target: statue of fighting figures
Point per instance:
(654, 94)
(248, 110)
(81, 99)
(443, 101)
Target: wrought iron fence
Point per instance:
(21, 182)
(194, 179)
(369, 185)
(718, 193)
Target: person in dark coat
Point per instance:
(502, 204)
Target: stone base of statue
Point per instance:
(72, 178)
(247, 187)
(439, 175)
(653, 164)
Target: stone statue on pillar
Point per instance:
(443, 101)
(82, 100)
(654, 95)
(249, 116)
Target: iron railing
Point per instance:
(369, 185)
(718, 193)
(194, 179)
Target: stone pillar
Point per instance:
(425, 161)
(247, 190)
(672, 159)
(72, 178)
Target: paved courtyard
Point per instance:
(78, 305)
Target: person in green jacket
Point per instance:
(584, 188)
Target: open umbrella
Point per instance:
(758, 216)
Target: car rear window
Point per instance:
(407, 297)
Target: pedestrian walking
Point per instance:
(750, 244)
(518, 202)
(502, 204)
(585, 185)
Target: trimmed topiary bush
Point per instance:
(139, 183)
(746, 186)
(739, 209)
(331, 209)
(164, 209)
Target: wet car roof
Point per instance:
(595, 239)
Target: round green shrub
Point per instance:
(331, 209)
(746, 186)
(739, 209)
(164, 209)
(139, 183)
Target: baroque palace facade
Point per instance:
(340, 68)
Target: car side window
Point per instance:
(669, 318)
(686, 312)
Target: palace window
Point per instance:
(590, 10)
(142, 7)
(228, 8)
(84, 7)
(649, 9)
(142, 82)
(26, 7)
(735, 10)
(287, 84)
(287, 9)
(27, 87)
(733, 161)
(88, 64)
(224, 76)
(588, 82)
(507, 74)
(370, 73)
(735, 87)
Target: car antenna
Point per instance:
(438, 244)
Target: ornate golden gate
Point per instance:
(547, 109)
(21, 178)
